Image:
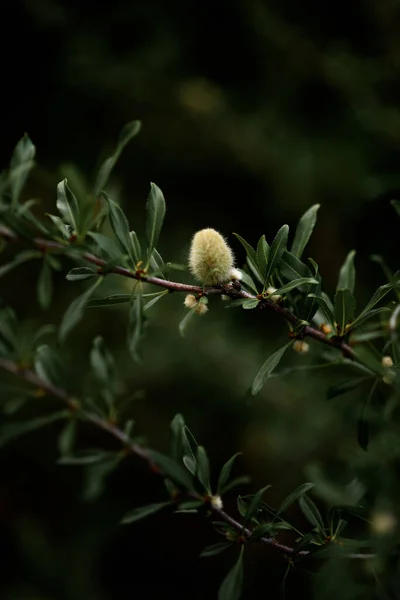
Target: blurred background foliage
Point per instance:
(252, 112)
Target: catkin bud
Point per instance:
(210, 257)
(190, 301)
(216, 502)
(325, 328)
(383, 522)
(235, 274)
(201, 309)
(271, 296)
(301, 347)
(387, 361)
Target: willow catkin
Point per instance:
(210, 257)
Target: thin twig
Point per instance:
(229, 290)
(111, 428)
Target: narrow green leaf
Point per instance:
(326, 309)
(298, 492)
(22, 162)
(268, 367)
(241, 480)
(183, 325)
(215, 549)
(295, 283)
(75, 311)
(262, 530)
(109, 300)
(120, 226)
(80, 273)
(143, 511)
(105, 245)
(251, 258)
(304, 230)
(136, 327)
(278, 247)
(67, 205)
(377, 297)
(95, 477)
(226, 473)
(254, 505)
(49, 365)
(12, 431)
(61, 227)
(172, 469)
(231, 588)
(203, 468)
(360, 321)
(249, 304)
(344, 309)
(293, 268)
(155, 206)
(262, 254)
(311, 512)
(157, 264)
(156, 298)
(347, 275)
(128, 132)
(85, 457)
(248, 281)
(135, 245)
(45, 286)
(102, 363)
(344, 387)
(177, 432)
(67, 437)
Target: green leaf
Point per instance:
(262, 255)
(248, 281)
(183, 325)
(155, 299)
(242, 480)
(226, 473)
(262, 530)
(177, 432)
(120, 226)
(20, 165)
(155, 206)
(311, 513)
(249, 304)
(377, 297)
(143, 511)
(278, 247)
(172, 469)
(105, 245)
(128, 132)
(304, 230)
(231, 588)
(75, 311)
(67, 205)
(136, 248)
(347, 275)
(266, 370)
(109, 300)
(344, 387)
(251, 258)
(66, 439)
(136, 327)
(203, 468)
(85, 457)
(80, 273)
(298, 492)
(215, 549)
(344, 309)
(103, 367)
(293, 268)
(254, 504)
(61, 227)
(326, 309)
(45, 286)
(295, 283)
(22, 257)
(49, 365)
(12, 431)
(95, 477)
(362, 424)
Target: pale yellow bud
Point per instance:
(201, 309)
(301, 347)
(271, 296)
(190, 301)
(210, 257)
(216, 502)
(387, 361)
(325, 328)
(235, 274)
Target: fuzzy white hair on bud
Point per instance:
(301, 347)
(210, 257)
(190, 301)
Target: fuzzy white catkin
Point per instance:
(210, 258)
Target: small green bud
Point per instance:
(210, 257)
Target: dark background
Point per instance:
(252, 112)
